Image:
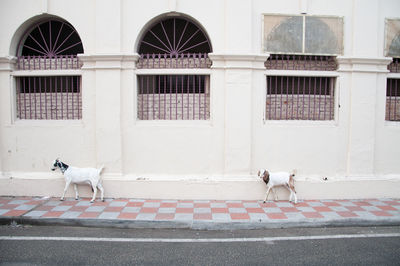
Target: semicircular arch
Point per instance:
(47, 36)
(173, 34)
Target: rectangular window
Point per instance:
(393, 99)
(300, 98)
(173, 97)
(49, 97)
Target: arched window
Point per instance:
(50, 45)
(174, 43)
(301, 43)
(50, 39)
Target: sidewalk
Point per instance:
(198, 214)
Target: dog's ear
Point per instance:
(267, 174)
(265, 177)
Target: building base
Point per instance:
(214, 188)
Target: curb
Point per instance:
(197, 225)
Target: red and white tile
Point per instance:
(202, 210)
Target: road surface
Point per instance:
(56, 245)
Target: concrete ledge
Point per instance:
(200, 225)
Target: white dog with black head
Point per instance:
(278, 179)
(77, 176)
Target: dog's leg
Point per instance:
(101, 190)
(295, 197)
(275, 195)
(266, 197)
(292, 189)
(291, 183)
(76, 192)
(94, 193)
(291, 194)
(65, 190)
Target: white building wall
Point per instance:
(387, 152)
(318, 146)
(358, 151)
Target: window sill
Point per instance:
(174, 71)
(301, 123)
(47, 123)
(174, 123)
(302, 73)
(49, 72)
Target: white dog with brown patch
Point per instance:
(278, 179)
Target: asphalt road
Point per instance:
(56, 245)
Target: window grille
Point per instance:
(174, 36)
(49, 45)
(60, 62)
(51, 38)
(173, 97)
(393, 99)
(301, 62)
(52, 97)
(154, 61)
(300, 98)
(394, 66)
(174, 43)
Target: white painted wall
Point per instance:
(201, 159)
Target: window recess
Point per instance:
(173, 81)
(46, 52)
(173, 97)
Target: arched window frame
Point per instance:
(301, 78)
(173, 79)
(47, 72)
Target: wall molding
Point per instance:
(7, 63)
(363, 64)
(238, 61)
(109, 61)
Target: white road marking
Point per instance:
(195, 240)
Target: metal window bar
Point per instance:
(392, 99)
(50, 97)
(301, 62)
(394, 66)
(163, 61)
(300, 98)
(173, 97)
(48, 63)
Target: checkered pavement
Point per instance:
(223, 211)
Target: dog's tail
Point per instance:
(101, 169)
